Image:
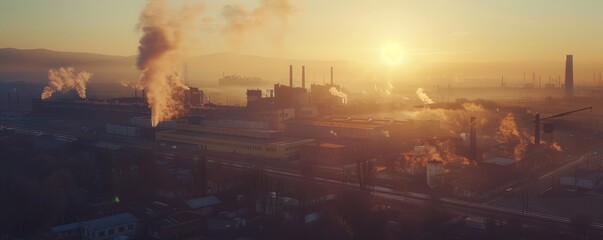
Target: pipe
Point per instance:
(290, 75)
(537, 130)
(303, 76)
(331, 75)
(9, 98)
(473, 140)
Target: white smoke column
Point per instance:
(64, 80)
(240, 20)
(337, 93)
(333, 133)
(423, 96)
(464, 136)
(389, 88)
(385, 133)
(161, 49)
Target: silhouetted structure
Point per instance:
(473, 141)
(304, 77)
(569, 76)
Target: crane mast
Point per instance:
(538, 120)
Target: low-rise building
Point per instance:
(583, 180)
(204, 205)
(65, 232)
(110, 227)
(176, 225)
(255, 142)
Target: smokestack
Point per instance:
(135, 93)
(473, 141)
(331, 75)
(569, 76)
(537, 129)
(303, 76)
(290, 75)
(9, 105)
(17, 101)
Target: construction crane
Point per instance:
(549, 128)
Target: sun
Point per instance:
(392, 54)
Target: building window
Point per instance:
(111, 231)
(101, 233)
(130, 227)
(122, 229)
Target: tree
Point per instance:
(365, 173)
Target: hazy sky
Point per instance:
(424, 30)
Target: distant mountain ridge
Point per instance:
(46, 58)
(31, 65)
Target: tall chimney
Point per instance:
(569, 76)
(290, 75)
(303, 76)
(17, 101)
(473, 141)
(537, 129)
(331, 75)
(9, 98)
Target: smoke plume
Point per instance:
(423, 96)
(333, 133)
(337, 93)
(161, 50)
(437, 149)
(509, 134)
(64, 80)
(239, 20)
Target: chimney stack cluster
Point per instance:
(303, 76)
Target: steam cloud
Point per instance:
(509, 133)
(240, 20)
(64, 80)
(160, 52)
(337, 93)
(437, 149)
(423, 96)
(333, 133)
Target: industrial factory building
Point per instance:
(116, 109)
(121, 109)
(305, 103)
(360, 128)
(262, 143)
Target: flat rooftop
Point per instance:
(281, 141)
(368, 125)
(111, 221)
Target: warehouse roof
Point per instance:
(215, 137)
(358, 125)
(111, 221)
(202, 202)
